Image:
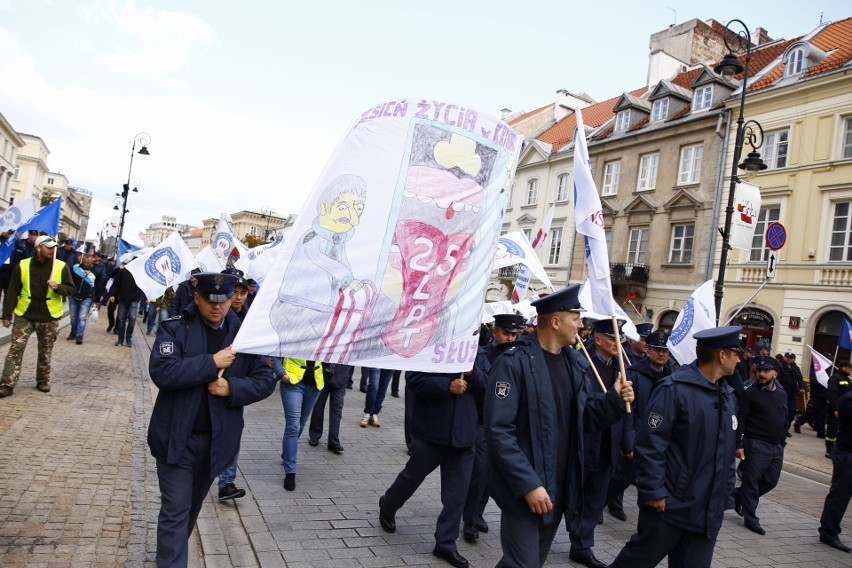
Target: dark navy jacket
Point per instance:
(184, 296)
(622, 434)
(521, 427)
(644, 377)
(442, 417)
(685, 450)
(181, 368)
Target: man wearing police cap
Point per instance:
(685, 458)
(197, 419)
(636, 350)
(505, 332)
(537, 405)
(762, 419)
(643, 375)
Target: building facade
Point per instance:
(10, 144)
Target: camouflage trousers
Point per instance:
(22, 328)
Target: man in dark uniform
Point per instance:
(643, 374)
(838, 384)
(635, 350)
(504, 333)
(814, 413)
(791, 380)
(685, 458)
(184, 294)
(537, 405)
(602, 450)
(840, 492)
(197, 419)
(762, 424)
(443, 435)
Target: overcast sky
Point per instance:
(244, 103)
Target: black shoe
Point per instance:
(797, 428)
(230, 491)
(600, 519)
(336, 449)
(80, 340)
(129, 343)
(70, 337)
(109, 329)
(289, 481)
(364, 390)
(388, 523)
(756, 529)
(738, 504)
(43, 387)
(395, 394)
(349, 387)
(835, 543)
(789, 435)
(452, 557)
(618, 514)
(589, 561)
(470, 533)
(821, 435)
(6, 390)
(118, 343)
(481, 526)
(313, 442)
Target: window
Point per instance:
(608, 237)
(660, 110)
(252, 230)
(17, 172)
(510, 196)
(638, 249)
(795, 62)
(690, 164)
(703, 98)
(555, 246)
(648, 172)
(612, 171)
(840, 249)
(759, 250)
(847, 137)
(528, 234)
(775, 148)
(681, 249)
(532, 192)
(49, 181)
(562, 187)
(622, 120)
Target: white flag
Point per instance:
(262, 258)
(214, 257)
(821, 366)
(17, 214)
(522, 282)
(515, 248)
(746, 212)
(167, 265)
(491, 309)
(589, 220)
(698, 314)
(628, 329)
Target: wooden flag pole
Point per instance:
(621, 356)
(594, 369)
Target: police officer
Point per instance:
(602, 450)
(838, 383)
(635, 350)
(685, 458)
(643, 374)
(840, 491)
(443, 435)
(537, 404)
(791, 380)
(814, 413)
(197, 419)
(762, 418)
(504, 333)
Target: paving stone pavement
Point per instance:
(80, 486)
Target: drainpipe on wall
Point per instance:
(717, 198)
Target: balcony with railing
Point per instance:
(628, 273)
(509, 272)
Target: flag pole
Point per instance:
(621, 356)
(594, 369)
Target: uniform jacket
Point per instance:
(485, 356)
(791, 379)
(838, 384)
(181, 368)
(644, 377)
(622, 434)
(685, 450)
(182, 298)
(444, 418)
(520, 425)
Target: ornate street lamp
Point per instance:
(142, 139)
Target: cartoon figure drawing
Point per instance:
(319, 274)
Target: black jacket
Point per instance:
(124, 286)
(444, 418)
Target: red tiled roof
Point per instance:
(681, 113)
(686, 78)
(594, 115)
(527, 115)
(836, 40)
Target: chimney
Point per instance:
(566, 103)
(505, 114)
(761, 36)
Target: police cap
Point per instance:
(658, 339)
(241, 281)
(644, 329)
(767, 362)
(565, 300)
(727, 337)
(215, 286)
(605, 327)
(510, 322)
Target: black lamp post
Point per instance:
(266, 212)
(142, 139)
(750, 132)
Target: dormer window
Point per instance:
(660, 111)
(622, 120)
(703, 98)
(795, 63)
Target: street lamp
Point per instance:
(142, 139)
(750, 132)
(266, 213)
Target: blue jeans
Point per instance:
(230, 473)
(126, 319)
(377, 387)
(79, 313)
(152, 315)
(298, 401)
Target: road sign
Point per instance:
(776, 236)
(772, 264)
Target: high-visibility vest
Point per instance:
(295, 369)
(54, 300)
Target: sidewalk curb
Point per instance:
(807, 473)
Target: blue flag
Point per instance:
(45, 220)
(125, 247)
(845, 339)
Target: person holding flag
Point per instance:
(838, 384)
(840, 492)
(35, 296)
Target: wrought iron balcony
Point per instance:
(509, 271)
(628, 273)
